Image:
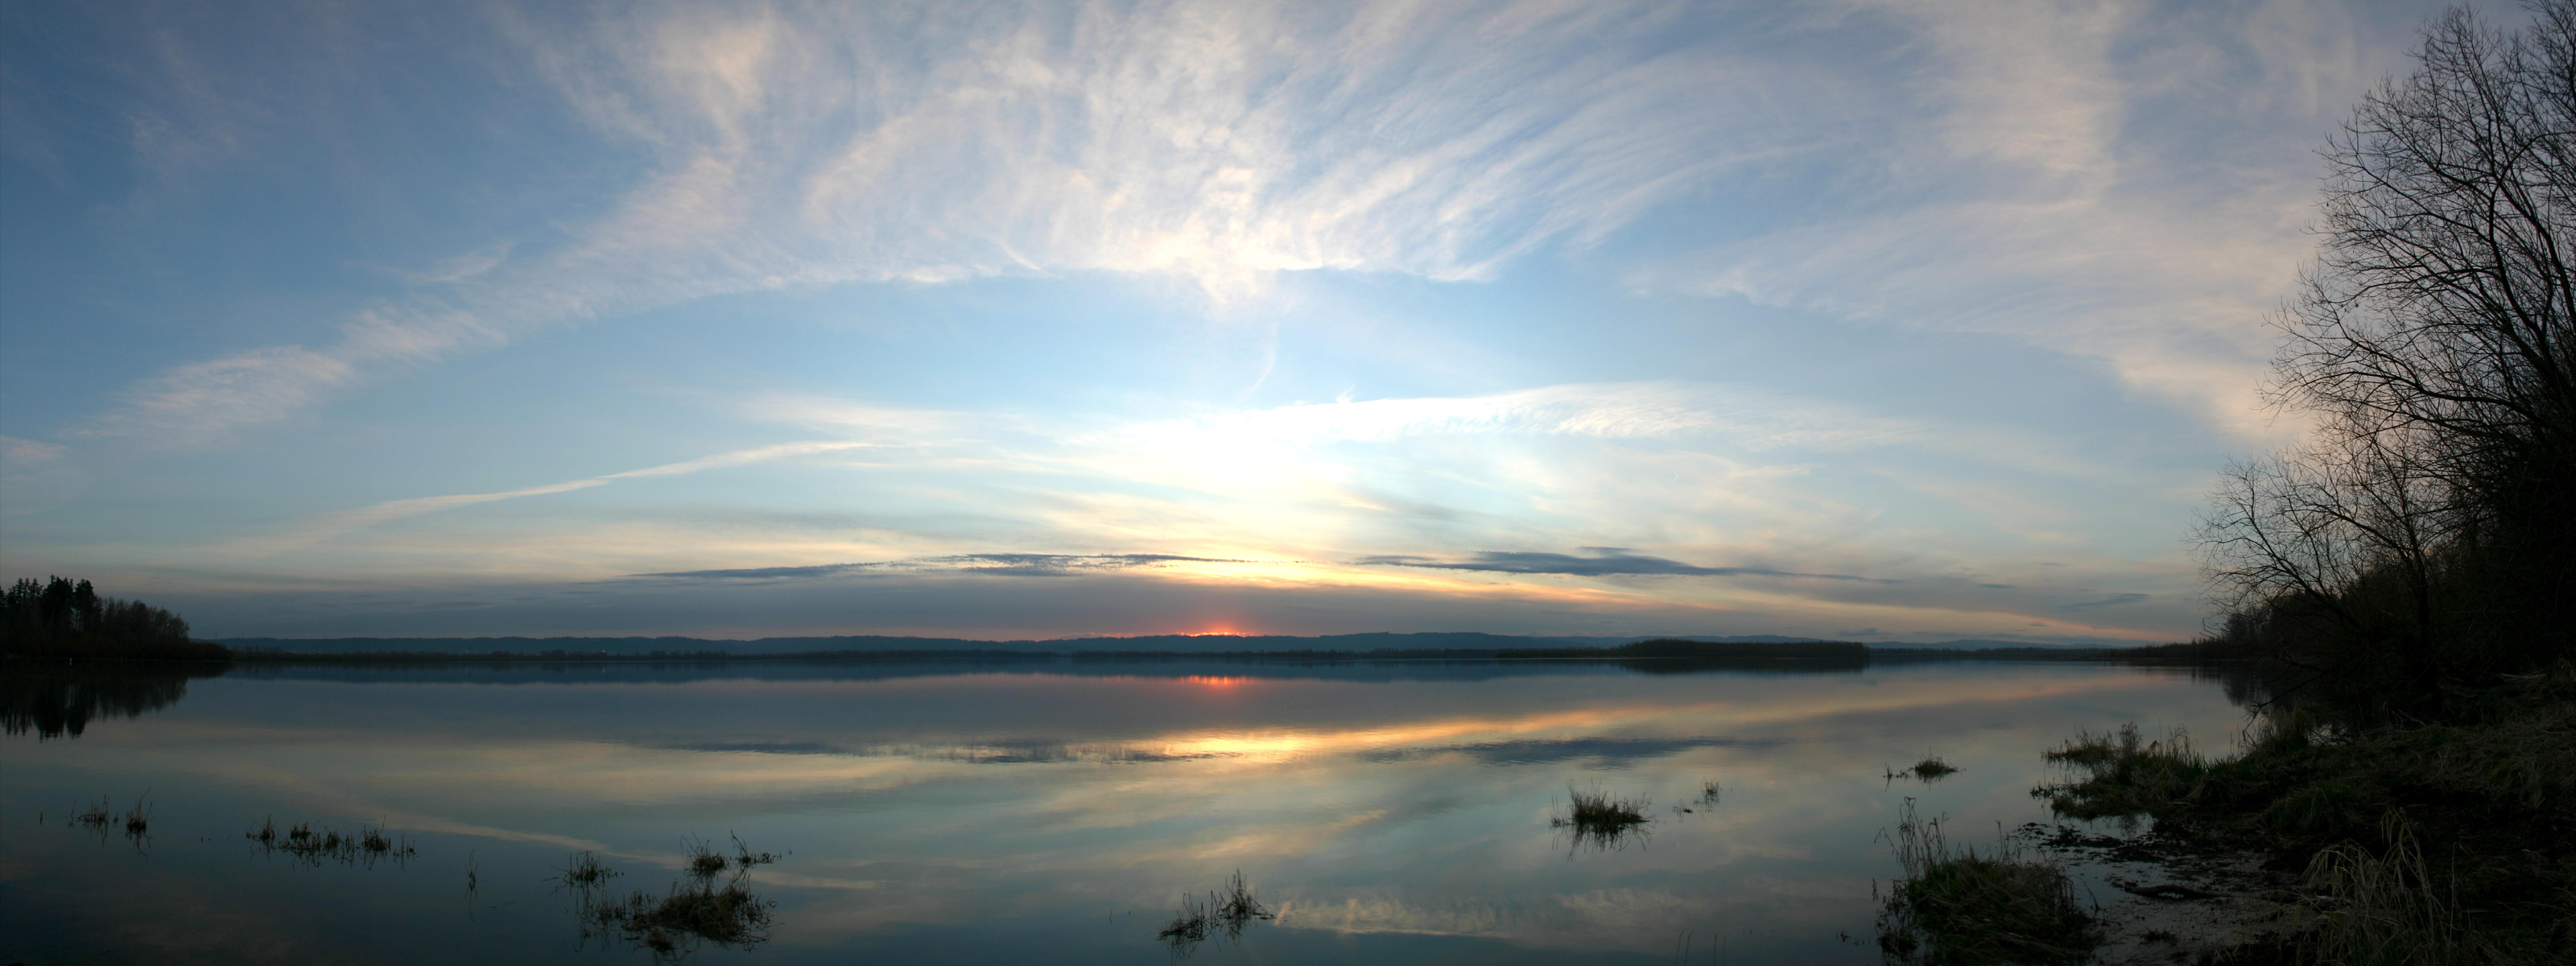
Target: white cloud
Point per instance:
(200, 401)
(797, 145)
(2107, 185)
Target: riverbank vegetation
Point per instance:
(63, 618)
(2422, 842)
(2406, 580)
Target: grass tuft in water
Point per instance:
(1597, 808)
(138, 819)
(695, 911)
(1229, 910)
(101, 816)
(684, 917)
(1933, 767)
(704, 861)
(2124, 773)
(1601, 820)
(745, 858)
(368, 845)
(1957, 906)
(584, 870)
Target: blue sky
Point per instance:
(1903, 321)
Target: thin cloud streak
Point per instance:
(331, 526)
(981, 564)
(1605, 562)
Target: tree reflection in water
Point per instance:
(54, 701)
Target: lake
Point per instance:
(1021, 811)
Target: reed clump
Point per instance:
(2125, 773)
(584, 870)
(1601, 820)
(95, 816)
(101, 816)
(704, 860)
(696, 910)
(1959, 906)
(683, 917)
(304, 843)
(1933, 767)
(1601, 810)
(1227, 910)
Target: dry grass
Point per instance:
(2386, 908)
(1957, 906)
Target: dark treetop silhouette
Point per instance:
(62, 618)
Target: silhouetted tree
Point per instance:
(65, 618)
(2422, 536)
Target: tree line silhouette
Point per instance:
(2422, 544)
(63, 618)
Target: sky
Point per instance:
(1842, 318)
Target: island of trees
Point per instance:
(62, 618)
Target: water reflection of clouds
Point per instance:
(1372, 814)
(590, 774)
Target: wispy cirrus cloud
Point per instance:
(329, 526)
(802, 145)
(2066, 182)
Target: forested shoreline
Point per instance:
(2405, 580)
(67, 619)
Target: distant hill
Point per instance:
(1160, 643)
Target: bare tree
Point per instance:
(2424, 528)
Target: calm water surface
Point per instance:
(1057, 813)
